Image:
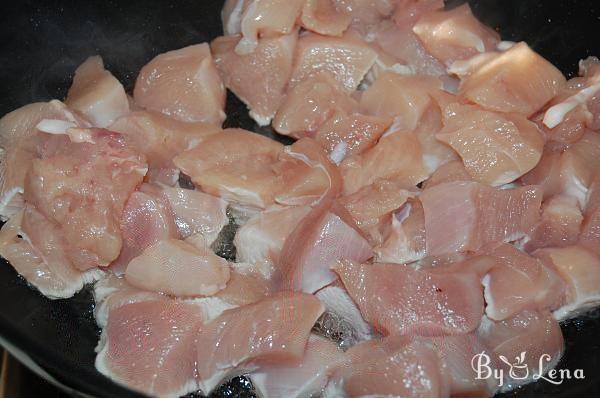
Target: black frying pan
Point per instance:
(42, 42)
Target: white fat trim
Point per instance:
(86, 277)
(246, 46)
(467, 39)
(309, 387)
(556, 114)
(464, 67)
(141, 170)
(193, 144)
(234, 22)
(339, 152)
(308, 162)
(520, 243)
(574, 309)
(490, 308)
(69, 114)
(575, 187)
(431, 163)
(53, 126)
(261, 119)
(583, 64)
(505, 45)
(402, 69)
(505, 178)
(232, 193)
(394, 127)
(211, 306)
(402, 214)
(338, 302)
(7, 211)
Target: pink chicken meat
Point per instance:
(415, 194)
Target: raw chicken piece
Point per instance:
(559, 225)
(456, 354)
(580, 269)
(546, 173)
(518, 282)
(212, 306)
(178, 268)
(522, 341)
(161, 138)
(590, 229)
(261, 239)
(147, 219)
(505, 83)
(307, 174)
(366, 14)
(344, 135)
(97, 94)
(449, 172)
(391, 367)
(197, 213)
(273, 330)
(148, 346)
(474, 214)
(577, 106)
(309, 104)
(303, 379)
(342, 320)
(315, 245)
(326, 17)
(266, 18)
(567, 119)
(455, 34)
(113, 292)
(579, 166)
(405, 239)
(245, 286)
(259, 79)
(593, 106)
(435, 152)
(408, 12)
(495, 148)
(397, 156)
(402, 97)
(372, 206)
(383, 64)
(83, 188)
(40, 256)
(235, 165)
(347, 59)
(589, 67)
(570, 130)
(19, 141)
(183, 84)
(399, 300)
(466, 67)
(406, 50)
(457, 262)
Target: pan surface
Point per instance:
(41, 44)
